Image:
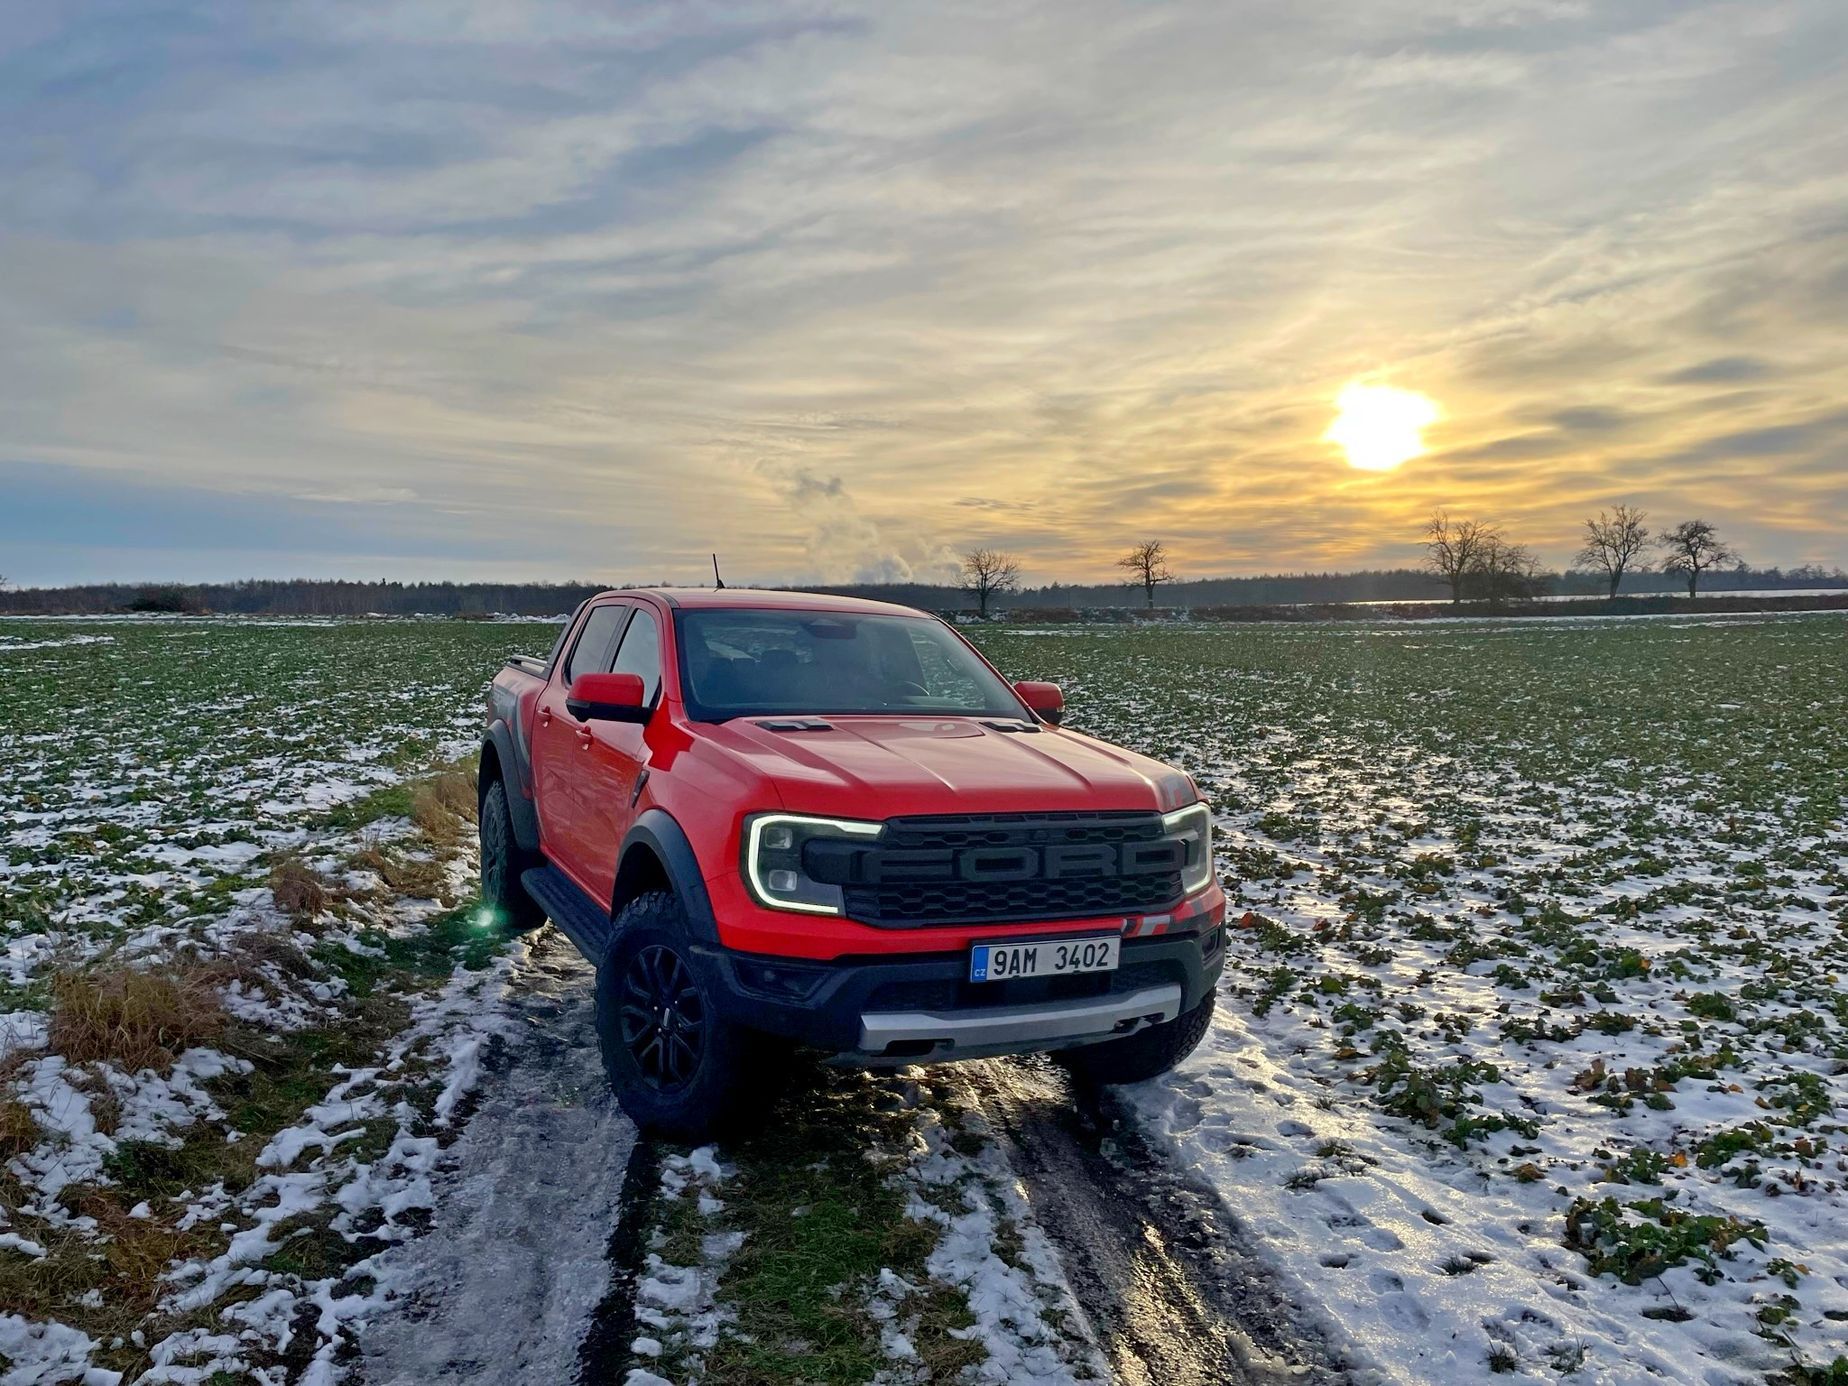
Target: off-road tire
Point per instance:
(647, 970)
(1145, 1054)
(502, 861)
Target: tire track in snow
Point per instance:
(1172, 1295)
(504, 1286)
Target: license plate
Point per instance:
(1044, 957)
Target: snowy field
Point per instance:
(1532, 1053)
(1529, 1057)
(242, 997)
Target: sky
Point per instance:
(504, 291)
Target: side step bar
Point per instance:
(570, 908)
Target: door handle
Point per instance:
(545, 716)
(584, 738)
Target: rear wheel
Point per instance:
(1145, 1054)
(502, 861)
(677, 1067)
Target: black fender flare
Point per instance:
(655, 832)
(511, 771)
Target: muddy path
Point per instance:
(507, 1283)
(1172, 1292)
(545, 1202)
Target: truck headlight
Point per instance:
(1193, 826)
(773, 869)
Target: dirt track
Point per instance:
(1172, 1295)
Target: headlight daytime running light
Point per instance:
(773, 844)
(1194, 826)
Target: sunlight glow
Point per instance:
(1378, 425)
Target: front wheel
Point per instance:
(677, 1067)
(1145, 1054)
(501, 864)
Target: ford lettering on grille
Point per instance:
(1004, 868)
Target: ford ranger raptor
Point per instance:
(771, 817)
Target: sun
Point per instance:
(1378, 425)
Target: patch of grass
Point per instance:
(420, 878)
(1711, 1005)
(19, 1129)
(1814, 1374)
(943, 1314)
(299, 893)
(1661, 1236)
(462, 937)
(133, 1019)
(374, 806)
(443, 805)
(797, 1284)
(1641, 1166)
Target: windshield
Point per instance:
(744, 663)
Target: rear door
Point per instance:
(617, 755)
(560, 744)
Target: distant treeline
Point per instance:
(306, 597)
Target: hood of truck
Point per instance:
(887, 767)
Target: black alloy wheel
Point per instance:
(663, 1018)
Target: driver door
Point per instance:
(560, 743)
(616, 756)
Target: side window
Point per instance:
(591, 654)
(641, 654)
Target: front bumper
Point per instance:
(925, 1036)
(886, 1011)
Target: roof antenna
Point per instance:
(717, 581)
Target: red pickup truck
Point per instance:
(831, 821)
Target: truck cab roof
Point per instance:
(748, 599)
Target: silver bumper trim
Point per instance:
(1000, 1029)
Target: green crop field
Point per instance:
(1534, 1006)
(148, 764)
(1553, 913)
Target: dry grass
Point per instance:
(413, 876)
(132, 1019)
(258, 947)
(443, 806)
(300, 894)
(19, 1129)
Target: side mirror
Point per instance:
(1046, 699)
(607, 698)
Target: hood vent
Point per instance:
(796, 724)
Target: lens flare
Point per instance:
(1378, 426)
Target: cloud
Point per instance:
(842, 543)
(1721, 370)
(840, 288)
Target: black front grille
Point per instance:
(1069, 891)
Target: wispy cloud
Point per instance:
(838, 287)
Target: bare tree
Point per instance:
(1692, 547)
(986, 572)
(1147, 565)
(1453, 549)
(1505, 571)
(1612, 543)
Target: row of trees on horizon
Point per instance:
(1476, 560)
(1473, 560)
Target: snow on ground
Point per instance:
(1530, 1059)
(504, 1285)
(1532, 1053)
(274, 1157)
(1025, 1313)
